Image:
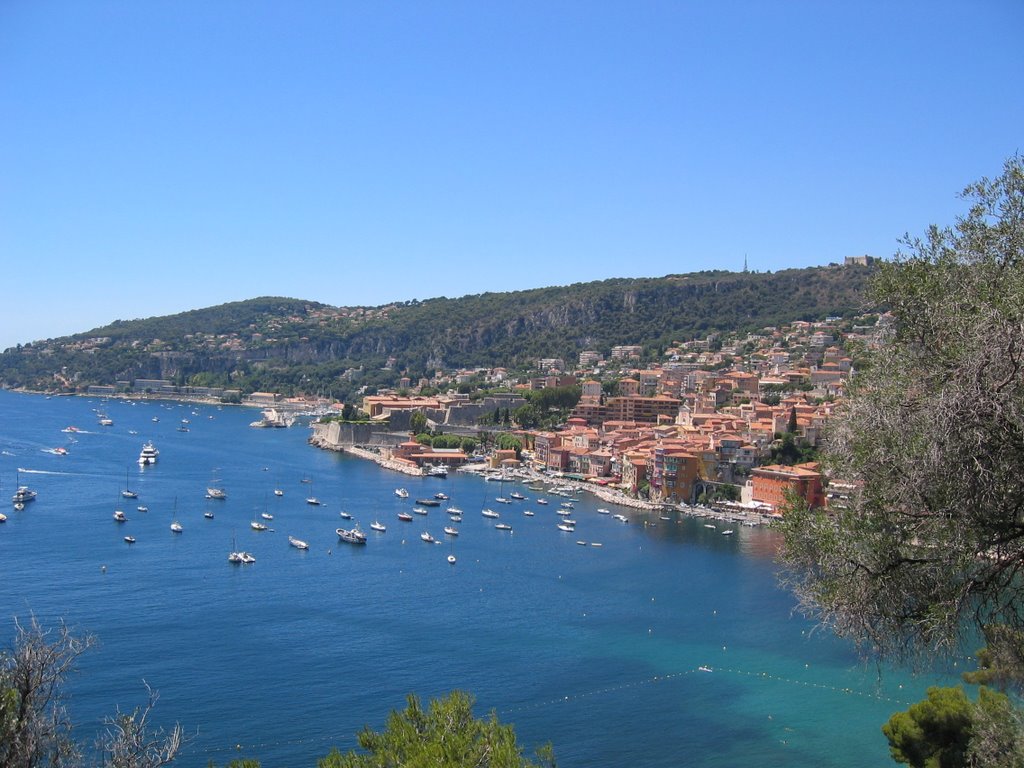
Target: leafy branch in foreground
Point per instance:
(931, 545)
(35, 729)
(446, 735)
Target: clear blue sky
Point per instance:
(161, 156)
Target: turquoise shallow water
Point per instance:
(595, 649)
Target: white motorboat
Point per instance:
(278, 492)
(297, 543)
(313, 501)
(517, 496)
(148, 454)
(542, 502)
(120, 516)
(351, 535)
(401, 493)
(129, 539)
(208, 515)
(489, 513)
(451, 530)
(566, 528)
(176, 527)
(503, 526)
(345, 515)
(216, 493)
(378, 526)
(419, 510)
(427, 537)
(256, 525)
(528, 512)
(267, 516)
(455, 518)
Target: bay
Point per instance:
(596, 649)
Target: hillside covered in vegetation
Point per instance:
(291, 345)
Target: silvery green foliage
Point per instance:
(931, 545)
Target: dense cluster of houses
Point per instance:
(707, 419)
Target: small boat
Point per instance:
(528, 512)
(502, 500)
(405, 517)
(128, 493)
(489, 513)
(345, 515)
(503, 526)
(563, 512)
(603, 511)
(456, 518)
(427, 537)
(106, 421)
(662, 517)
(278, 492)
(728, 532)
(401, 493)
(22, 495)
(378, 526)
(567, 504)
(176, 527)
(142, 508)
(119, 516)
(313, 501)
(3, 517)
(453, 511)
(129, 539)
(704, 668)
(567, 521)
(437, 470)
(542, 502)
(517, 496)
(256, 525)
(441, 496)
(419, 510)
(208, 515)
(451, 530)
(216, 493)
(428, 502)
(566, 528)
(596, 544)
(70, 429)
(582, 543)
(708, 525)
(451, 559)
(266, 516)
(621, 518)
(297, 543)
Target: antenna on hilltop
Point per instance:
(745, 270)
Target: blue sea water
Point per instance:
(597, 650)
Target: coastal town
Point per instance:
(720, 422)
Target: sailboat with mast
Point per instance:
(128, 493)
(22, 494)
(176, 526)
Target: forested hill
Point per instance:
(273, 342)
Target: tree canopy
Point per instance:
(930, 547)
(445, 735)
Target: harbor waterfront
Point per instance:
(668, 644)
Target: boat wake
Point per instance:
(24, 471)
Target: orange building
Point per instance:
(771, 482)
